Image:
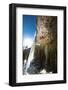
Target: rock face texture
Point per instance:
(47, 38)
(46, 30)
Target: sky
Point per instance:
(29, 29)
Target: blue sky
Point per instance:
(29, 29)
(29, 26)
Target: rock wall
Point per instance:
(47, 38)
